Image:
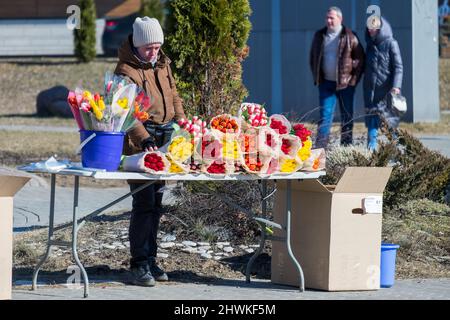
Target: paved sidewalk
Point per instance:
(437, 143)
(32, 203)
(430, 289)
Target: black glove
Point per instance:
(148, 143)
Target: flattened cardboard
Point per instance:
(9, 185)
(337, 246)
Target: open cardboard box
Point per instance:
(10, 184)
(336, 231)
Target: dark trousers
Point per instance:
(147, 208)
(328, 98)
(144, 223)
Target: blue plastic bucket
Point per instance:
(103, 151)
(387, 266)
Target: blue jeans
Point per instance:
(372, 124)
(328, 96)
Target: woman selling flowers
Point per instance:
(142, 61)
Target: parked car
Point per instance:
(116, 31)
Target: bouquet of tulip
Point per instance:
(280, 124)
(180, 147)
(195, 126)
(153, 162)
(121, 106)
(253, 115)
(249, 140)
(89, 110)
(176, 167)
(210, 148)
(218, 167)
(305, 137)
(112, 84)
(273, 166)
(269, 141)
(230, 149)
(289, 164)
(316, 161)
(256, 163)
(290, 144)
(225, 124)
(139, 112)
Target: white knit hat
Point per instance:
(147, 30)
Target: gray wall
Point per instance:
(298, 21)
(31, 37)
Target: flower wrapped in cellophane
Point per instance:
(289, 165)
(290, 144)
(225, 124)
(316, 161)
(218, 167)
(269, 142)
(180, 148)
(140, 110)
(280, 124)
(230, 148)
(153, 162)
(122, 105)
(177, 167)
(256, 163)
(253, 115)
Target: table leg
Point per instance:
(262, 241)
(288, 232)
(75, 229)
(50, 232)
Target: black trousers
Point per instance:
(147, 208)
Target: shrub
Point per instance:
(207, 39)
(420, 207)
(85, 37)
(152, 8)
(418, 173)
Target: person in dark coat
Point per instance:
(383, 74)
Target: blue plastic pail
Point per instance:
(387, 266)
(103, 151)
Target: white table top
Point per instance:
(120, 175)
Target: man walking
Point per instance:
(337, 64)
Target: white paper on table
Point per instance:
(51, 165)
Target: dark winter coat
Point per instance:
(350, 58)
(157, 82)
(384, 68)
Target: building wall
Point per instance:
(45, 9)
(30, 37)
(38, 27)
(299, 19)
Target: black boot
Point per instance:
(156, 271)
(142, 276)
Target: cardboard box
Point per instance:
(336, 240)
(9, 185)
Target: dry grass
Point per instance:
(22, 147)
(31, 120)
(22, 81)
(444, 83)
